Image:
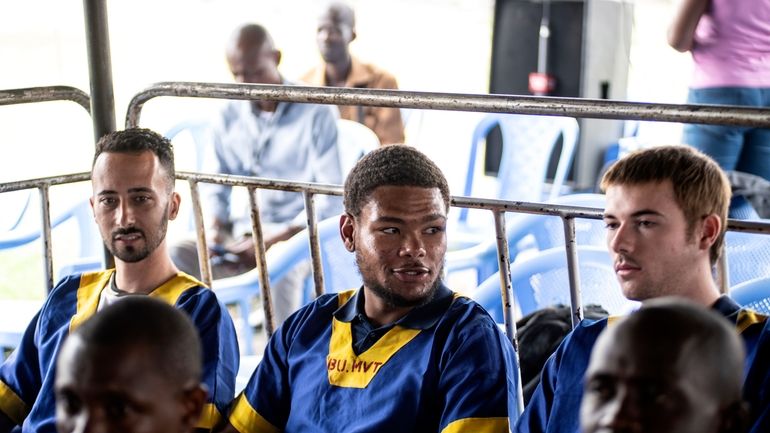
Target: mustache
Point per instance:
(126, 231)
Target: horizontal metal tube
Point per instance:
(319, 188)
(45, 94)
(549, 106)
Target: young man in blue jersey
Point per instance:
(666, 215)
(119, 375)
(133, 200)
(673, 366)
(402, 353)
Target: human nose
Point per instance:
(412, 246)
(621, 239)
(125, 214)
(621, 414)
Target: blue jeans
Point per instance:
(732, 147)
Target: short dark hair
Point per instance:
(394, 165)
(137, 140)
(166, 332)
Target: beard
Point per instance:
(390, 297)
(131, 254)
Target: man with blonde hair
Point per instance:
(666, 216)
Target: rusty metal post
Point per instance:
(45, 214)
(204, 264)
(573, 269)
(259, 253)
(315, 244)
(507, 297)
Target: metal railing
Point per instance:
(44, 94)
(440, 101)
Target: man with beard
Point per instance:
(133, 199)
(336, 30)
(666, 216)
(402, 353)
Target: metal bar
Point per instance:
(45, 94)
(508, 299)
(315, 244)
(99, 66)
(328, 189)
(573, 269)
(204, 263)
(259, 254)
(548, 106)
(45, 213)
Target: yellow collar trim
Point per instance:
(746, 318)
(348, 370)
(92, 284)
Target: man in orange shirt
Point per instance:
(336, 29)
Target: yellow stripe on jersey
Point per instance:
(91, 285)
(209, 417)
(348, 370)
(12, 405)
(478, 425)
(747, 318)
(247, 420)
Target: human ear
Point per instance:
(173, 205)
(347, 231)
(734, 418)
(193, 400)
(711, 226)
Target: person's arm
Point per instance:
(263, 406)
(20, 380)
(477, 379)
(220, 353)
(681, 31)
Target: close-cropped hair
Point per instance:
(137, 140)
(394, 165)
(700, 186)
(142, 321)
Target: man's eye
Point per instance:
(116, 408)
(434, 230)
(645, 223)
(611, 225)
(141, 199)
(69, 402)
(390, 230)
(108, 201)
(602, 389)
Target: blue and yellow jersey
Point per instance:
(451, 371)
(27, 376)
(555, 404)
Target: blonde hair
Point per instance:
(700, 186)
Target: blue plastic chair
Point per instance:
(528, 142)
(530, 232)
(753, 294)
(542, 280)
(340, 272)
(748, 256)
(90, 241)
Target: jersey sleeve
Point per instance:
(20, 379)
(220, 352)
(477, 380)
(538, 410)
(263, 406)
